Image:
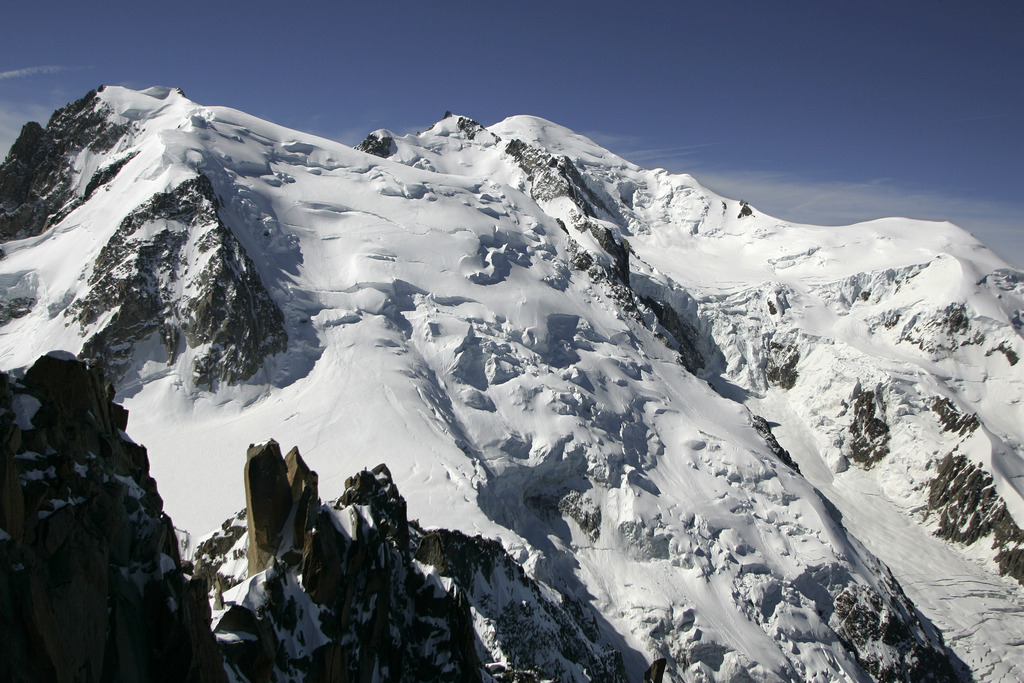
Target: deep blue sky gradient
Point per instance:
(815, 111)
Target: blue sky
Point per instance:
(821, 112)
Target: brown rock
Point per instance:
(72, 388)
(268, 500)
(300, 477)
(322, 571)
(71, 607)
(305, 496)
(207, 662)
(253, 652)
(656, 671)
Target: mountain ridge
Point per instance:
(540, 322)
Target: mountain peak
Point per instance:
(717, 429)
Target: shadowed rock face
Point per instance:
(883, 638)
(970, 509)
(377, 144)
(191, 284)
(765, 430)
(685, 335)
(869, 431)
(371, 582)
(953, 420)
(361, 605)
(277, 490)
(268, 501)
(141, 280)
(656, 672)
(782, 361)
(37, 178)
(91, 584)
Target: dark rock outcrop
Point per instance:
(277, 491)
(362, 608)
(16, 307)
(379, 144)
(887, 637)
(682, 332)
(192, 283)
(567, 503)
(656, 672)
(268, 501)
(469, 127)
(303, 483)
(1011, 356)
(577, 507)
(37, 179)
(944, 332)
(869, 431)
(91, 583)
(765, 430)
(782, 361)
(379, 596)
(105, 174)
(956, 321)
(953, 420)
(229, 544)
(970, 509)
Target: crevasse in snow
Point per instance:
(554, 347)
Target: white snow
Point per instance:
(434, 325)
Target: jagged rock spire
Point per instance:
(277, 489)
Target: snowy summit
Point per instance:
(754, 449)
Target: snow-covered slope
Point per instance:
(554, 347)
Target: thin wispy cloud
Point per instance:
(641, 155)
(638, 150)
(32, 71)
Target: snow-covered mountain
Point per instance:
(758, 450)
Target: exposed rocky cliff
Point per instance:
(869, 431)
(970, 509)
(379, 143)
(353, 590)
(91, 584)
(37, 179)
(551, 177)
(172, 272)
(175, 272)
(569, 352)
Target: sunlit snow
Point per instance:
(435, 325)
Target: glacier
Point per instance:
(719, 430)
